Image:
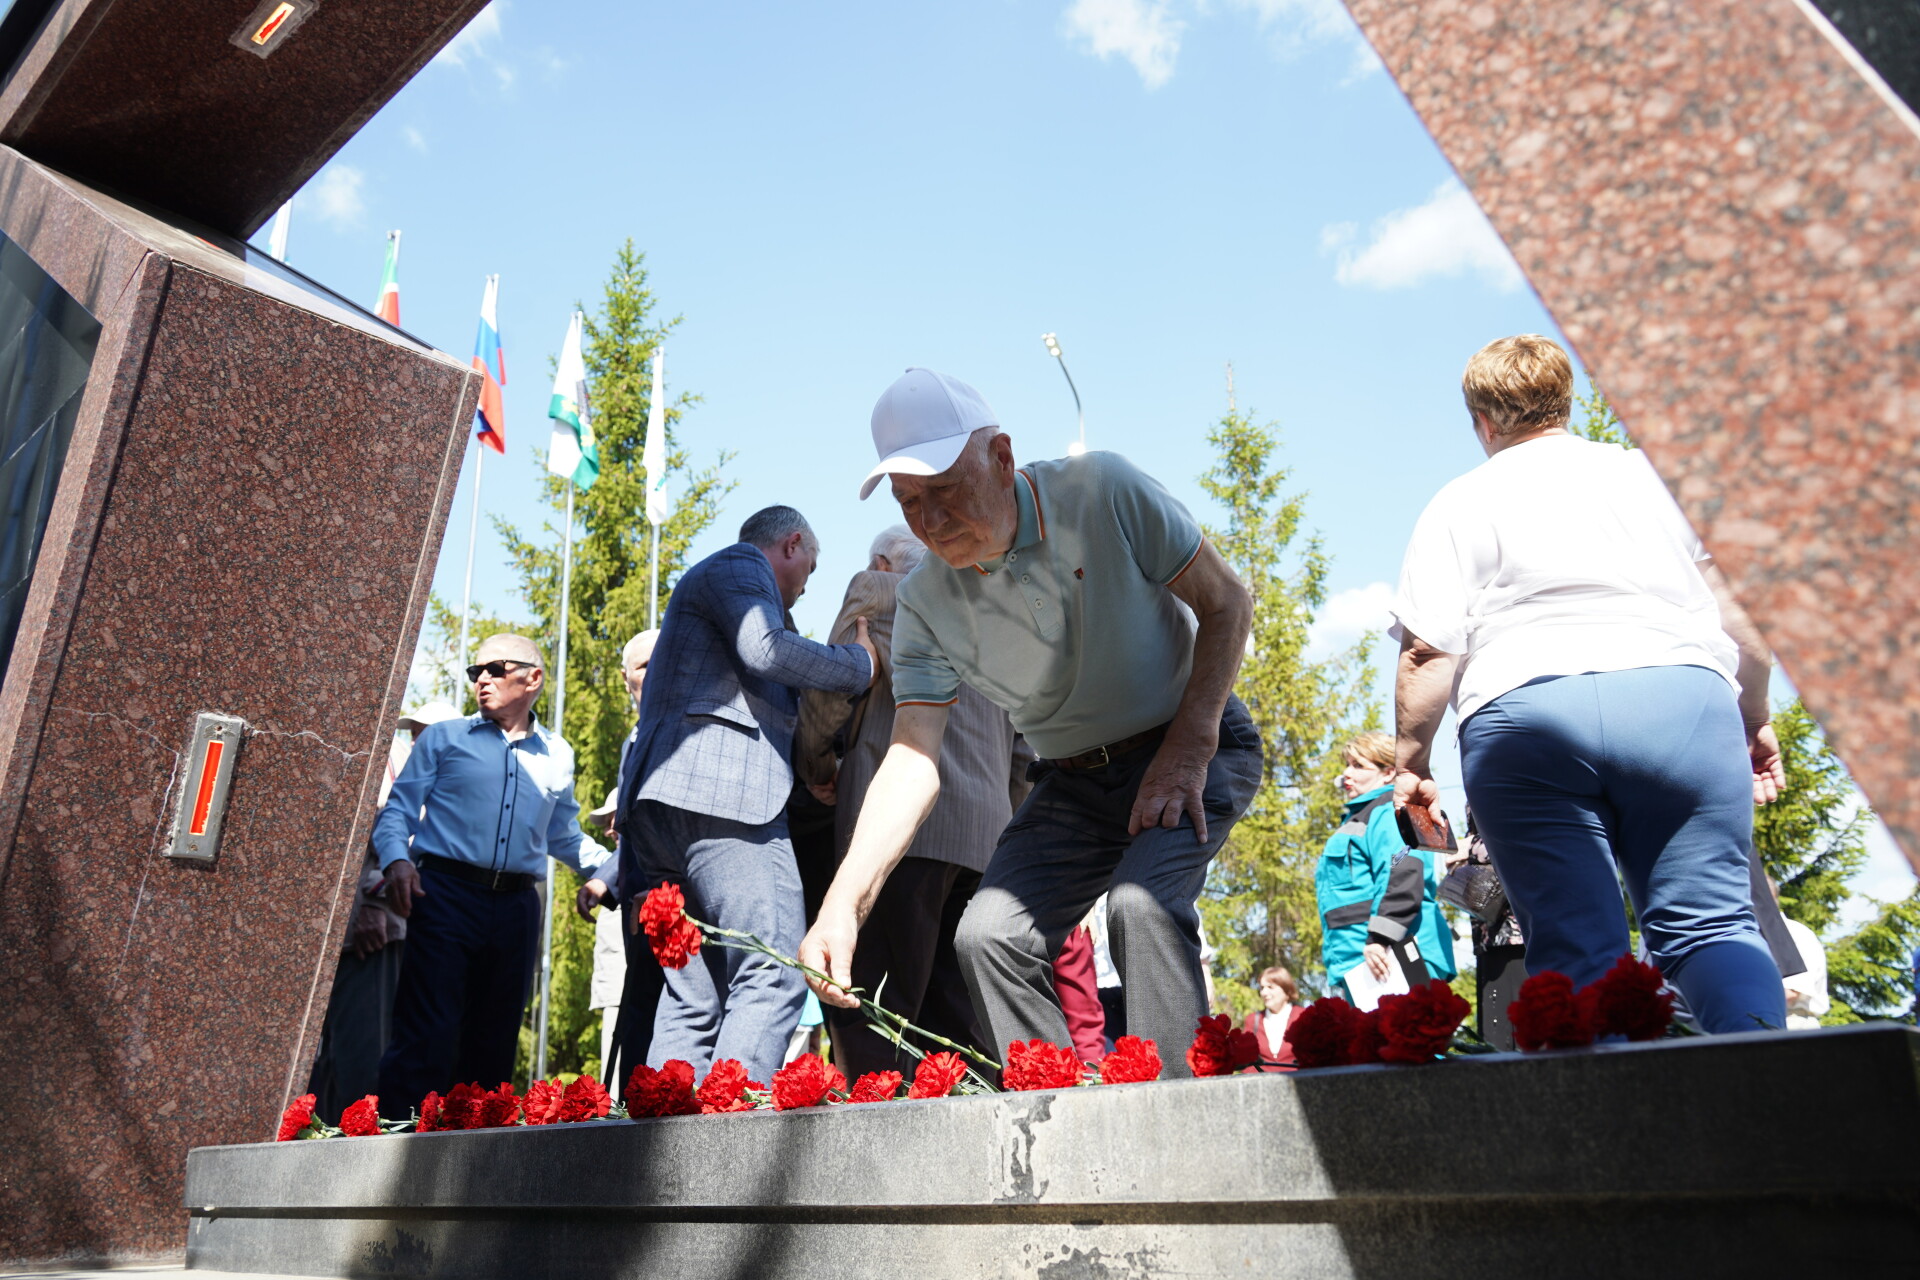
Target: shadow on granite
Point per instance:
(1741, 1155)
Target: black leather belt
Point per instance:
(498, 881)
(1101, 757)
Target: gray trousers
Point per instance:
(354, 1034)
(726, 1003)
(1066, 846)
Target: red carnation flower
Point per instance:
(542, 1103)
(876, 1086)
(667, 1092)
(937, 1075)
(1218, 1049)
(1418, 1026)
(1366, 1042)
(1629, 1000)
(432, 1115)
(497, 1109)
(1133, 1061)
(807, 1081)
(362, 1119)
(460, 1109)
(1041, 1064)
(1323, 1033)
(1547, 1014)
(584, 1099)
(724, 1087)
(674, 938)
(295, 1119)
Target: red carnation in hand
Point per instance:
(937, 1075)
(584, 1099)
(667, 1092)
(1323, 1033)
(497, 1109)
(1041, 1064)
(876, 1086)
(724, 1086)
(807, 1081)
(432, 1115)
(542, 1103)
(1133, 1061)
(295, 1119)
(1547, 1014)
(1629, 1000)
(1418, 1026)
(674, 938)
(1219, 1049)
(362, 1119)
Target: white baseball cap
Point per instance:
(921, 424)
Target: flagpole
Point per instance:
(653, 601)
(559, 714)
(473, 536)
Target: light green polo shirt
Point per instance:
(1073, 633)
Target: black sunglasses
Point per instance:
(497, 668)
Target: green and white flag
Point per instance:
(572, 451)
(655, 456)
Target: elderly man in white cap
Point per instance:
(482, 804)
(346, 1067)
(1084, 600)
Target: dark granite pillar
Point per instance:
(1719, 201)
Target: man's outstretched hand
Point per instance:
(828, 948)
(589, 897)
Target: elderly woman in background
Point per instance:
(1612, 697)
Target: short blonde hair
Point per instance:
(1278, 975)
(1520, 384)
(1375, 747)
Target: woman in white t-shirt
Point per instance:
(1612, 697)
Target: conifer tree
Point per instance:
(1259, 906)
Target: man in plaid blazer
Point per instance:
(709, 775)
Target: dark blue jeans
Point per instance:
(463, 988)
(1644, 770)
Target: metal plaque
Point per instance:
(202, 802)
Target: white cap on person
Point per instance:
(922, 422)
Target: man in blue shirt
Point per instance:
(482, 803)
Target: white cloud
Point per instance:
(1446, 236)
(335, 196)
(1144, 32)
(415, 139)
(475, 40)
(1349, 614)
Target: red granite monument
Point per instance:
(226, 487)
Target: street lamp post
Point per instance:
(1079, 446)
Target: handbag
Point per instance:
(1475, 888)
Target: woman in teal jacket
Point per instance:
(1376, 895)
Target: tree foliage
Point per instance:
(608, 600)
(1597, 419)
(1259, 907)
(1813, 842)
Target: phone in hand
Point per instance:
(1426, 828)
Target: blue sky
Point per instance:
(828, 194)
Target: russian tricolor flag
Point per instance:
(491, 418)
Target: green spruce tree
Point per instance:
(1813, 842)
(1597, 420)
(1259, 907)
(608, 601)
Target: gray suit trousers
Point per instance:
(1066, 846)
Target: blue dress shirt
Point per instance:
(469, 794)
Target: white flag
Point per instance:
(572, 451)
(655, 457)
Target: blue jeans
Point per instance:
(1644, 770)
(726, 1003)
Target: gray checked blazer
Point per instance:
(716, 723)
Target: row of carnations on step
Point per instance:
(1419, 1027)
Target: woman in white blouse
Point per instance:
(1612, 697)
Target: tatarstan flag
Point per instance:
(388, 307)
(490, 420)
